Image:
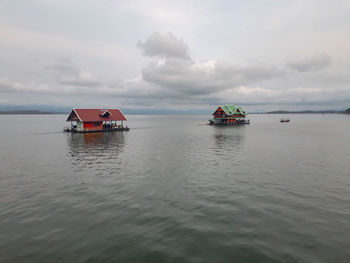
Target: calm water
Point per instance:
(175, 190)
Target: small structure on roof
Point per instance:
(229, 115)
(96, 120)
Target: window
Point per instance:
(97, 124)
(106, 114)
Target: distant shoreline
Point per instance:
(24, 112)
(306, 112)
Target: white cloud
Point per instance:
(164, 45)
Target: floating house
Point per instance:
(96, 120)
(229, 115)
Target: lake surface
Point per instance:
(173, 189)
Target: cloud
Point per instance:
(49, 43)
(164, 45)
(314, 63)
(5, 85)
(9, 86)
(167, 76)
(185, 82)
(193, 78)
(83, 78)
(68, 74)
(176, 81)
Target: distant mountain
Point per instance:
(347, 111)
(39, 108)
(28, 112)
(306, 112)
(165, 111)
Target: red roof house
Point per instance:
(92, 120)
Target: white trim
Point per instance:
(77, 115)
(106, 111)
(122, 115)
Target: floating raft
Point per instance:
(104, 130)
(229, 123)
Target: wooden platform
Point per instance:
(104, 130)
(245, 122)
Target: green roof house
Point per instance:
(228, 115)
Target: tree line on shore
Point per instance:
(347, 111)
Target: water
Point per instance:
(175, 190)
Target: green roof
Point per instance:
(231, 109)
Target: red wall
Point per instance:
(91, 126)
(219, 113)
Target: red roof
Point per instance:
(88, 115)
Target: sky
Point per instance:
(176, 55)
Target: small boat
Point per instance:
(284, 120)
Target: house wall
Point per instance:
(219, 113)
(80, 126)
(92, 126)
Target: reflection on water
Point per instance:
(95, 150)
(229, 139)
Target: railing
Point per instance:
(231, 116)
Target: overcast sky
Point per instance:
(263, 55)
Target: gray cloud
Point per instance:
(5, 85)
(67, 73)
(108, 69)
(169, 81)
(83, 79)
(189, 78)
(314, 63)
(164, 45)
(63, 67)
